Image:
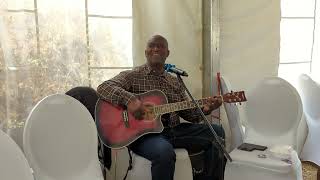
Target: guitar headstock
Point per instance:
(234, 97)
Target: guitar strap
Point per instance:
(101, 156)
(130, 163)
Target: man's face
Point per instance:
(157, 51)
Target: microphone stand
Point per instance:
(216, 137)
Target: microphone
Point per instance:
(172, 69)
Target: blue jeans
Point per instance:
(159, 148)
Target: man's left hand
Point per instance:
(212, 104)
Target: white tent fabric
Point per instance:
(249, 41)
(180, 22)
(249, 44)
(315, 73)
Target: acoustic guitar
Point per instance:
(118, 128)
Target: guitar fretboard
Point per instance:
(232, 97)
(172, 107)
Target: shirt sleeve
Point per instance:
(116, 90)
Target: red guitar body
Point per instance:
(117, 128)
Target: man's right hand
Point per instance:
(135, 107)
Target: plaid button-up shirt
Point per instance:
(125, 85)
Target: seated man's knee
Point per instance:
(166, 153)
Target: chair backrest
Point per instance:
(89, 97)
(13, 164)
(273, 112)
(60, 140)
(310, 95)
(232, 112)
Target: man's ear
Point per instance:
(168, 53)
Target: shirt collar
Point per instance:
(148, 70)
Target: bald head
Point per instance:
(157, 50)
(157, 37)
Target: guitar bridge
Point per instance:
(125, 118)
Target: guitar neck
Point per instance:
(232, 97)
(172, 107)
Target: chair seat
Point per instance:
(247, 165)
(252, 159)
(181, 154)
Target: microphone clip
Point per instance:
(172, 69)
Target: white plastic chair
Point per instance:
(232, 112)
(60, 140)
(141, 167)
(13, 164)
(310, 94)
(273, 112)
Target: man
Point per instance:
(159, 148)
